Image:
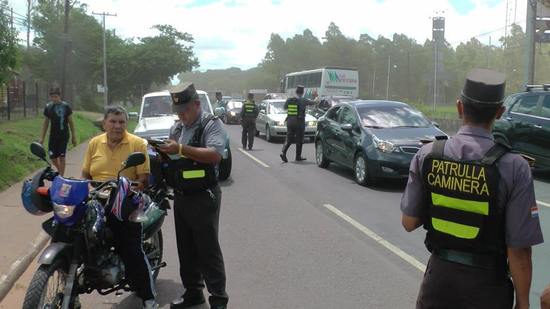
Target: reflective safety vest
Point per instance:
(249, 109)
(464, 213)
(292, 107)
(189, 176)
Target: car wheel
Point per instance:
(268, 135)
(320, 158)
(256, 132)
(362, 174)
(225, 166)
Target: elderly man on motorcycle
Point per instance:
(104, 158)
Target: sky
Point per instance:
(235, 33)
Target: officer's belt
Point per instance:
(194, 192)
(469, 259)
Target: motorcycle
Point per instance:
(81, 257)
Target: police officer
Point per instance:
(296, 123)
(476, 200)
(249, 113)
(199, 138)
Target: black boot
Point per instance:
(217, 302)
(189, 299)
(283, 153)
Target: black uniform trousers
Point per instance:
(295, 130)
(249, 130)
(128, 237)
(197, 217)
(451, 285)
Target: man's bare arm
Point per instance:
(520, 263)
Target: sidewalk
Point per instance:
(19, 228)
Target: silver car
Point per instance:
(272, 121)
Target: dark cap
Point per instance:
(181, 95)
(300, 88)
(218, 93)
(484, 86)
(55, 91)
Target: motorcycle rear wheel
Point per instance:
(47, 285)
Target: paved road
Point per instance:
(285, 246)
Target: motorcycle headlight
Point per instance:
(384, 146)
(312, 123)
(63, 211)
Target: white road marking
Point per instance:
(253, 157)
(543, 204)
(394, 249)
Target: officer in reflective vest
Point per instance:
(249, 113)
(199, 140)
(296, 123)
(476, 200)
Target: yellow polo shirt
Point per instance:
(103, 163)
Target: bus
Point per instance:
(328, 81)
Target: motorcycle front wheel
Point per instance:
(153, 248)
(47, 285)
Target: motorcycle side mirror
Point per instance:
(348, 127)
(135, 159)
(38, 150)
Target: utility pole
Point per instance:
(530, 42)
(435, 75)
(29, 9)
(388, 81)
(373, 82)
(105, 87)
(11, 20)
(65, 49)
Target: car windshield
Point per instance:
(234, 105)
(157, 106)
(277, 108)
(392, 117)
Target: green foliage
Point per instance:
(16, 160)
(411, 67)
(133, 65)
(8, 44)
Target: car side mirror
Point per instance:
(133, 115)
(348, 127)
(218, 111)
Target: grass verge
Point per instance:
(16, 160)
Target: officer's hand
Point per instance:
(545, 298)
(170, 147)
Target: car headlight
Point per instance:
(312, 123)
(63, 211)
(384, 146)
(280, 123)
(232, 113)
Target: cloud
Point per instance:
(236, 32)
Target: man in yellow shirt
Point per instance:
(104, 157)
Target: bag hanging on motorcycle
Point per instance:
(186, 175)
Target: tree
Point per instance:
(8, 44)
